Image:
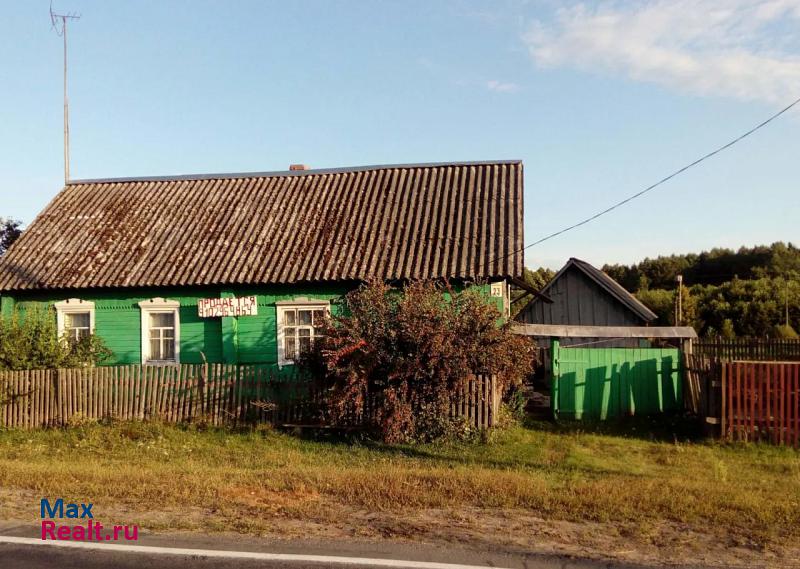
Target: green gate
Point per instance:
(603, 383)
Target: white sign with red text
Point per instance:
(216, 307)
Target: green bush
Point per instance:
(30, 341)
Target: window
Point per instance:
(75, 319)
(299, 323)
(160, 331)
(162, 336)
(77, 326)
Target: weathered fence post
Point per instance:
(201, 386)
(555, 372)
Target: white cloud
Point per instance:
(745, 49)
(502, 87)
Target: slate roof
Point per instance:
(457, 220)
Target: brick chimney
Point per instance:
(295, 167)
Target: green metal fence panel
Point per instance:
(604, 383)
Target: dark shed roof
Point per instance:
(603, 281)
(459, 220)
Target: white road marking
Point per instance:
(289, 557)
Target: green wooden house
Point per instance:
(240, 267)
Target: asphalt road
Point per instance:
(178, 551)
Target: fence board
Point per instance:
(34, 413)
(12, 398)
(765, 405)
(751, 349)
(220, 394)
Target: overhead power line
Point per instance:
(654, 186)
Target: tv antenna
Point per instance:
(58, 22)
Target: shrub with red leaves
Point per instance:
(405, 351)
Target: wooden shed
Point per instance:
(583, 306)
(583, 295)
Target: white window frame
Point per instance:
(73, 306)
(282, 307)
(155, 306)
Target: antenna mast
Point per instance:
(62, 32)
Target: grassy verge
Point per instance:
(247, 480)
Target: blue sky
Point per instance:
(598, 99)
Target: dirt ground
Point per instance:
(515, 531)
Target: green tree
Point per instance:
(535, 279)
(714, 267)
(728, 332)
(689, 308)
(660, 301)
(30, 341)
(10, 230)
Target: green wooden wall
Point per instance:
(603, 383)
(245, 339)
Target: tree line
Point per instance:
(747, 292)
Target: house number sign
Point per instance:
(215, 307)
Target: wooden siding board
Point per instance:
(118, 319)
(603, 383)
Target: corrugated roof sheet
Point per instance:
(459, 220)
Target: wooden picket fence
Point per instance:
(702, 393)
(478, 401)
(214, 393)
(751, 349)
(761, 401)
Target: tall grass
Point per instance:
(749, 490)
